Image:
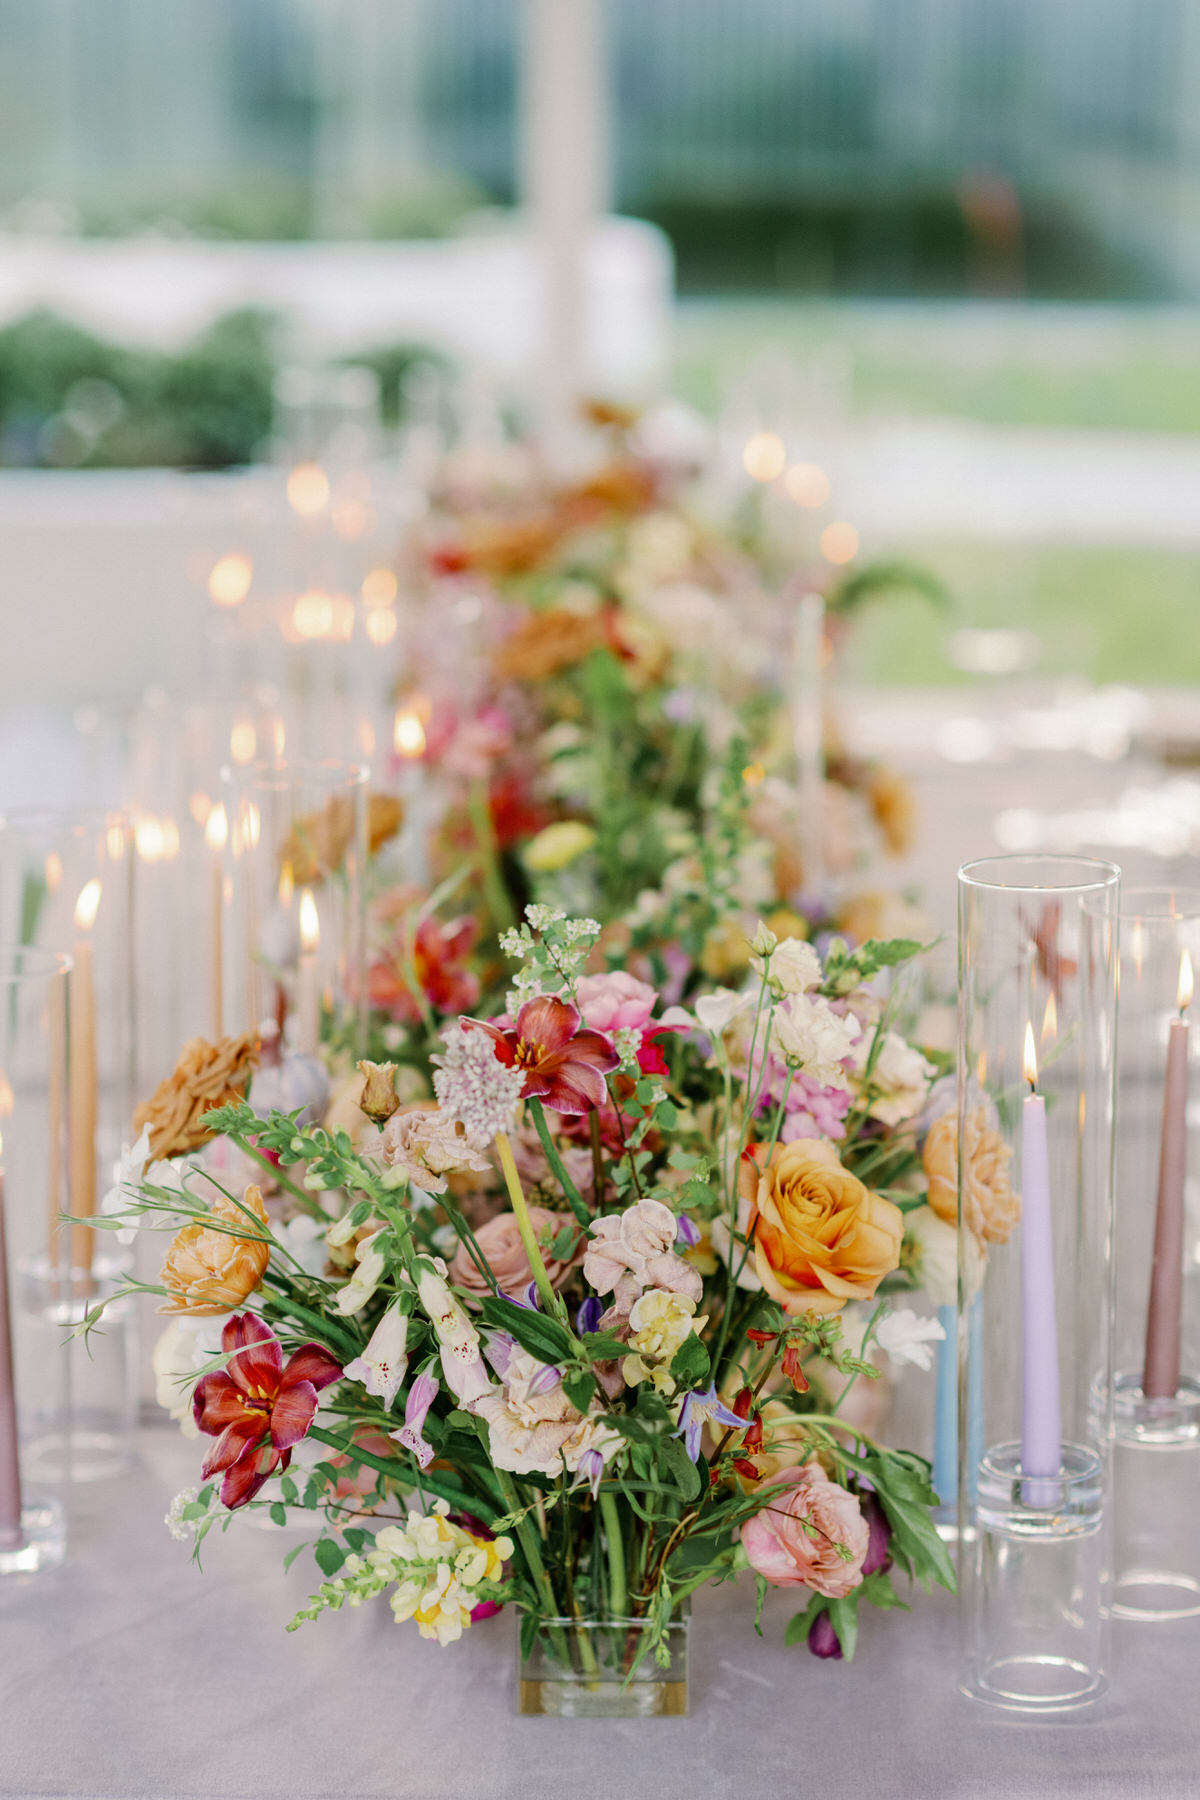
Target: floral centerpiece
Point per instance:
(630, 1373)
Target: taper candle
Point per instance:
(308, 988)
(81, 1079)
(215, 834)
(1160, 1377)
(10, 1466)
(1041, 1406)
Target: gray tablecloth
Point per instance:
(128, 1672)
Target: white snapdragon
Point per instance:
(908, 1338)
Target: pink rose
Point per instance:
(504, 1253)
(616, 1002)
(779, 1546)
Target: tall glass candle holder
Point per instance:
(67, 887)
(291, 921)
(35, 1354)
(1156, 1399)
(1036, 1066)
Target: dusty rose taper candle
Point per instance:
(10, 1467)
(1160, 1377)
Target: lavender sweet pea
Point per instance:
(700, 1408)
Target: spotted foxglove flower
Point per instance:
(421, 1396)
(382, 1365)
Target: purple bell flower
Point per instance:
(823, 1639)
(700, 1408)
(591, 1311)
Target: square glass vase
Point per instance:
(605, 1669)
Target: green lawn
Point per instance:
(1110, 615)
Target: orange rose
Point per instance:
(820, 1237)
(545, 642)
(210, 1269)
(990, 1207)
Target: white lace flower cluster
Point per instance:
(474, 1086)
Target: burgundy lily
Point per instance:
(255, 1407)
(563, 1066)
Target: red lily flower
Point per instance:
(564, 1066)
(255, 1407)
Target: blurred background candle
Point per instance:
(1041, 1411)
(10, 1468)
(308, 981)
(1160, 1379)
(215, 834)
(82, 1078)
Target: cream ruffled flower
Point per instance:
(794, 966)
(426, 1145)
(659, 1323)
(900, 1080)
(813, 1039)
(533, 1429)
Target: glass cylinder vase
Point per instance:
(67, 887)
(1156, 1396)
(1036, 1075)
(587, 1668)
(36, 1354)
(288, 916)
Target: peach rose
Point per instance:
(777, 1540)
(820, 1237)
(990, 1206)
(504, 1253)
(212, 1270)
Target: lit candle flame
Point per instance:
(1050, 1020)
(308, 489)
(1029, 1060)
(408, 735)
(87, 905)
(310, 928)
(287, 885)
(229, 581)
(7, 1100)
(216, 832)
(1187, 985)
(54, 870)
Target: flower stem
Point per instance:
(615, 1543)
(574, 1198)
(525, 1224)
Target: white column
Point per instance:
(565, 188)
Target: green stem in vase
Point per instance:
(615, 1545)
(574, 1198)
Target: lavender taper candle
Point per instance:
(1041, 1406)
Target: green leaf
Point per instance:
(760, 1601)
(278, 1513)
(878, 1590)
(529, 1631)
(330, 1556)
(801, 1623)
(358, 1539)
(289, 1490)
(667, 1115)
(602, 1346)
(689, 1365)
(844, 1614)
(675, 1461)
(292, 1554)
(579, 1390)
(542, 1337)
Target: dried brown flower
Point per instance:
(206, 1076)
(318, 842)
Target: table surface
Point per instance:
(129, 1672)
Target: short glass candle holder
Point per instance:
(35, 1367)
(1036, 1076)
(605, 1669)
(1156, 1417)
(289, 921)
